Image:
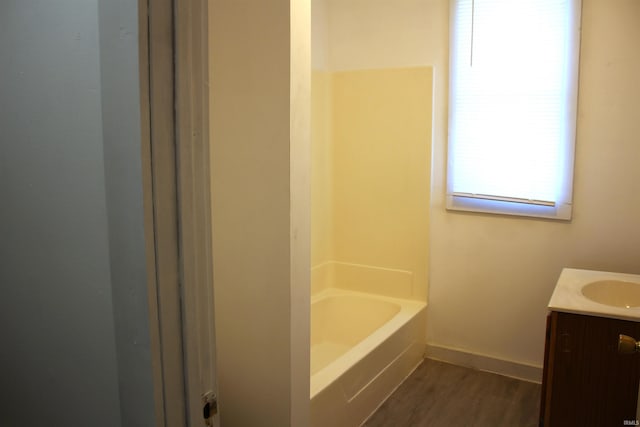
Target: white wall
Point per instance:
(300, 214)
(259, 74)
(364, 34)
(491, 276)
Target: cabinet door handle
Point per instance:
(627, 344)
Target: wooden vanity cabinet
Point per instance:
(586, 382)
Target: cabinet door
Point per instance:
(589, 382)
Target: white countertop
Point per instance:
(567, 296)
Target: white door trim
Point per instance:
(194, 200)
(174, 104)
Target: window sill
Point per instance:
(560, 212)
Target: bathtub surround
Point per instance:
(322, 180)
(381, 135)
(371, 177)
(364, 278)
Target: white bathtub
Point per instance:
(362, 347)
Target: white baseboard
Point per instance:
(486, 363)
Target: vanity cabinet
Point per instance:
(586, 382)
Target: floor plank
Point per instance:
(439, 394)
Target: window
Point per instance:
(512, 106)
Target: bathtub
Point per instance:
(362, 347)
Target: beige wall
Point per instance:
(491, 276)
(259, 78)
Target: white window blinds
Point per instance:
(512, 100)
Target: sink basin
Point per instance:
(597, 293)
(616, 293)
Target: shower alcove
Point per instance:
(371, 131)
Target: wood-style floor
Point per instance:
(439, 394)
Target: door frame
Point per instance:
(176, 182)
(194, 201)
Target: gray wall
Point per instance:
(74, 346)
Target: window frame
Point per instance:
(562, 208)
